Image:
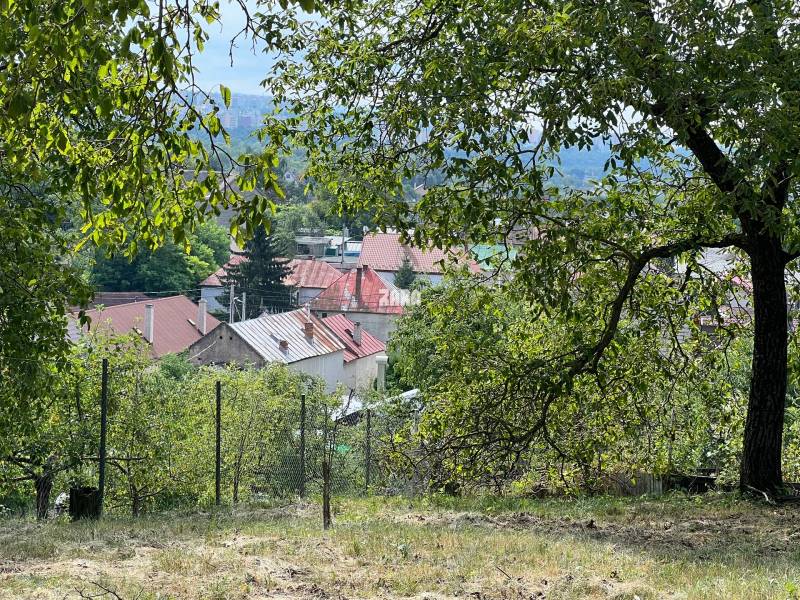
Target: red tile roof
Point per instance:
(215, 279)
(385, 252)
(376, 296)
(343, 328)
(172, 331)
(311, 274)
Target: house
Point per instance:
(310, 278)
(361, 295)
(384, 253)
(297, 339)
(169, 324)
(361, 351)
(211, 287)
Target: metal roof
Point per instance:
(343, 328)
(374, 294)
(265, 333)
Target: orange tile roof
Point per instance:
(385, 252)
(172, 331)
(311, 274)
(343, 328)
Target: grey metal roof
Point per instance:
(265, 333)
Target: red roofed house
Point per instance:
(169, 324)
(310, 278)
(362, 296)
(384, 253)
(211, 287)
(360, 351)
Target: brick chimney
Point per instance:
(202, 310)
(308, 327)
(149, 316)
(283, 345)
(357, 333)
(359, 273)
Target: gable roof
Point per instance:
(375, 296)
(385, 252)
(215, 279)
(311, 274)
(343, 328)
(172, 331)
(265, 333)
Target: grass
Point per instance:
(715, 546)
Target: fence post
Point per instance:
(101, 483)
(368, 451)
(302, 489)
(218, 469)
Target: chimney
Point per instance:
(202, 309)
(283, 345)
(382, 360)
(308, 326)
(357, 333)
(148, 322)
(358, 285)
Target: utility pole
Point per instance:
(244, 306)
(231, 306)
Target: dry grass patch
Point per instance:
(717, 547)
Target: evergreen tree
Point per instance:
(261, 277)
(405, 275)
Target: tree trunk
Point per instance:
(763, 434)
(43, 485)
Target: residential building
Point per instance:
(384, 253)
(361, 351)
(361, 295)
(310, 278)
(211, 287)
(297, 339)
(169, 324)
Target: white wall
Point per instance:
(305, 295)
(378, 324)
(210, 295)
(328, 367)
(361, 372)
(388, 277)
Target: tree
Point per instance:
(697, 102)
(169, 268)
(405, 275)
(99, 120)
(260, 276)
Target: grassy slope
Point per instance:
(714, 547)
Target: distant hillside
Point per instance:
(243, 117)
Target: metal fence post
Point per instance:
(218, 469)
(368, 451)
(302, 487)
(101, 483)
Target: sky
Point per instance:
(214, 64)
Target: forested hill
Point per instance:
(244, 115)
